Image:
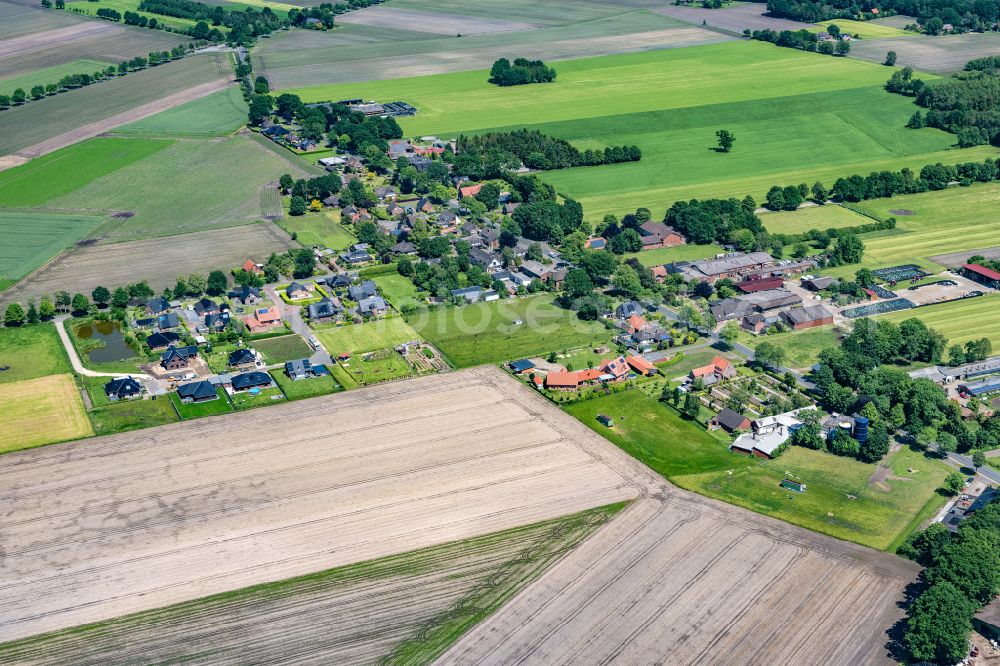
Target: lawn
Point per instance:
(488, 333)
(69, 169)
(839, 500)
(667, 255)
(305, 388)
(194, 410)
(866, 29)
(131, 415)
(952, 220)
(31, 351)
(691, 360)
(372, 335)
(247, 400)
(801, 348)
(218, 114)
(321, 228)
(190, 185)
(25, 126)
(376, 366)
(959, 321)
(836, 120)
(398, 290)
(282, 348)
(40, 411)
(41, 77)
(28, 239)
(813, 217)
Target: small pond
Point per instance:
(114, 347)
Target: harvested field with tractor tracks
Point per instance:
(392, 469)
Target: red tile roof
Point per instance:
(640, 365)
(471, 190)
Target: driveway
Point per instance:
(74, 359)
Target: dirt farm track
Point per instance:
(113, 525)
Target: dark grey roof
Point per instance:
(168, 320)
(123, 386)
(184, 353)
(251, 379)
(361, 291)
(323, 308)
(729, 419)
(206, 305)
(157, 340)
(197, 390)
(244, 292)
(242, 356)
(157, 305)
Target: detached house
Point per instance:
(657, 234)
(202, 391)
(242, 357)
(176, 358)
(124, 388)
(262, 319)
(206, 306)
(156, 306)
(718, 370)
(246, 295)
(297, 291)
(326, 308)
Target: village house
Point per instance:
(809, 316)
(155, 306)
(758, 322)
(250, 267)
(262, 319)
(629, 309)
(176, 358)
(242, 357)
(297, 291)
(729, 420)
(216, 321)
(250, 380)
(474, 294)
(720, 369)
(562, 380)
(167, 320)
(304, 369)
(657, 234)
(162, 340)
(202, 391)
(768, 434)
(122, 388)
(373, 306)
(206, 306)
(246, 295)
(326, 308)
(469, 190)
(355, 257)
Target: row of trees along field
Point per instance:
(536, 151)
(73, 81)
(962, 15)
(965, 105)
(523, 71)
(803, 40)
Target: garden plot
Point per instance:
(157, 260)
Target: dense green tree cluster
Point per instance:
(245, 25)
(522, 71)
(713, 220)
(803, 40)
(536, 151)
(962, 15)
(937, 176)
(547, 220)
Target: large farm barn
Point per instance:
(378, 472)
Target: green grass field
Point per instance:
(814, 217)
(69, 169)
(839, 500)
(398, 290)
(836, 120)
(188, 186)
(321, 228)
(27, 125)
(50, 75)
(304, 388)
(31, 351)
(196, 410)
(959, 321)
(486, 333)
(801, 348)
(131, 415)
(666, 255)
(218, 114)
(28, 240)
(952, 220)
(866, 29)
(246, 400)
(378, 366)
(357, 338)
(282, 348)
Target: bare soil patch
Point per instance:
(158, 260)
(20, 46)
(901, 211)
(939, 55)
(438, 23)
(734, 19)
(953, 259)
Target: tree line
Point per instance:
(804, 40)
(71, 81)
(965, 105)
(962, 15)
(521, 72)
(245, 25)
(538, 151)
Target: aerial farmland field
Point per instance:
(54, 122)
(41, 411)
(28, 240)
(836, 120)
(959, 321)
(217, 114)
(866, 29)
(50, 75)
(158, 260)
(812, 217)
(942, 55)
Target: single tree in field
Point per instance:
(978, 458)
(101, 295)
(890, 59)
(80, 303)
(726, 139)
(14, 315)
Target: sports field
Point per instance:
(358, 338)
(865, 29)
(959, 321)
(28, 240)
(503, 330)
(41, 411)
(218, 114)
(836, 120)
(50, 75)
(31, 351)
(188, 186)
(929, 224)
(812, 217)
(416, 38)
(44, 121)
